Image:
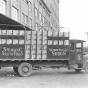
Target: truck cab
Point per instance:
(76, 53)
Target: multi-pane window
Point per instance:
(36, 12)
(30, 6)
(30, 22)
(40, 16)
(14, 13)
(24, 18)
(3, 6)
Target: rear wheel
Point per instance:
(24, 69)
(15, 69)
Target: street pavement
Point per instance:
(45, 78)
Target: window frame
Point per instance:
(3, 11)
(15, 15)
(36, 12)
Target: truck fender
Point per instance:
(84, 64)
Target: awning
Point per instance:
(8, 23)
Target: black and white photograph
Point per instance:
(43, 43)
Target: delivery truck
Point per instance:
(25, 49)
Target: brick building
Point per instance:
(32, 13)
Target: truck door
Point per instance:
(72, 52)
(79, 51)
(76, 51)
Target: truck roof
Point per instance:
(77, 40)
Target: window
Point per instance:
(72, 45)
(24, 18)
(36, 26)
(36, 12)
(30, 6)
(30, 22)
(14, 13)
(40, 16)
(78, 45)
(3, 7)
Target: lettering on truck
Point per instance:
(58, 52)
(12, 51)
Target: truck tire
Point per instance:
(15, 69)
(24, 69)
(86, 67)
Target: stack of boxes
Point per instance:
(36, 45)
(37, 42)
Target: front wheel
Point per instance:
(25, 69)
(86, 67)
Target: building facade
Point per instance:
(35, 14)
